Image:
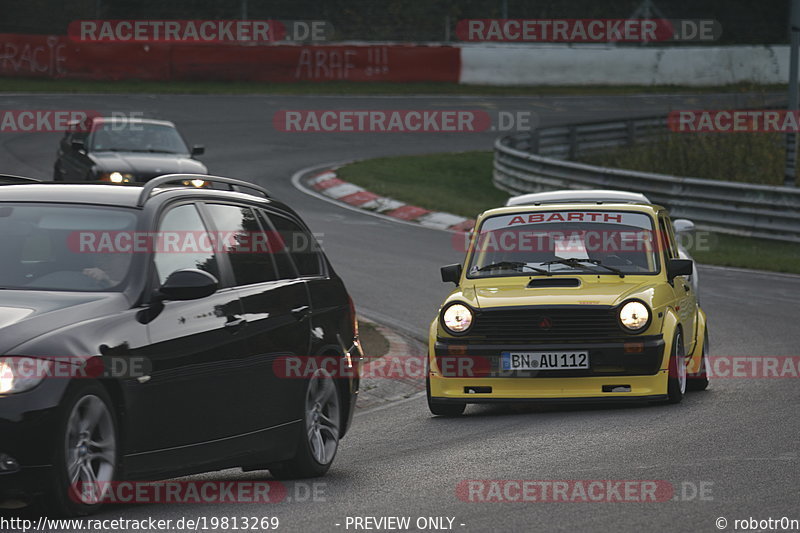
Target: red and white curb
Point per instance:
(328, 184)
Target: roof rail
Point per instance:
(8, 179)
(595, 196)
(233, 184)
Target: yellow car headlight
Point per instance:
(457, 318)
(634, 315)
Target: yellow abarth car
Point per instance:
(572, 297)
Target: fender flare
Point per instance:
(671, 322)
(701, 330)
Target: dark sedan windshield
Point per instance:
(556, 242)
(137, 137)
(54, 247)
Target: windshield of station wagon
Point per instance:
(54, 247)
(564, 242)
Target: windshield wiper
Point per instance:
(157, 151)
(516, 265)
(575, 262)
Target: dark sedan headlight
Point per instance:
(634, 316)
(116, 177)
(457, 318)
(198, 183)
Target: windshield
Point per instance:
(43, 247)
(122, 136)
(560, 242)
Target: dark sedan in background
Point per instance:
(124, 150)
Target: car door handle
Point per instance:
(300, 313)
(235, 323)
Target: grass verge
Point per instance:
(34, 85)
(461, 183)
(458, 183)
(743, 157)
(745, 252)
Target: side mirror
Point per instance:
(188, 284)
(78, 146)
(679, 267)
(198, 149)
(451, 273)
(683, 225)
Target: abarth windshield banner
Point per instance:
(638, 220)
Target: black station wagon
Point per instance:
(143, 329)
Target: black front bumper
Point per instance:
(28, 429)
(640, 356)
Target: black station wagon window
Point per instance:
(249, 248)
(184, 243)
(280, 252)
(64, 247)
(301, 245)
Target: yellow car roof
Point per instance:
(649, 209)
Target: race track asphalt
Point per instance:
(739, 439)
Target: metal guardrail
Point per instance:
(534, 162)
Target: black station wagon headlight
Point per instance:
(457, 318)
(634, 315)
(19, 374)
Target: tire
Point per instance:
(87, 434)
(676, 382)
(319, 440)
(443, 409)
(57, 174)
(699, 381)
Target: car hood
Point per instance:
(147, 163)
(591, 290)
(25, 315)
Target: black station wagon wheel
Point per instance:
(319, 441)
(676, 383)
(86, 452)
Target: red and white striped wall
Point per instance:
(468, 63)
